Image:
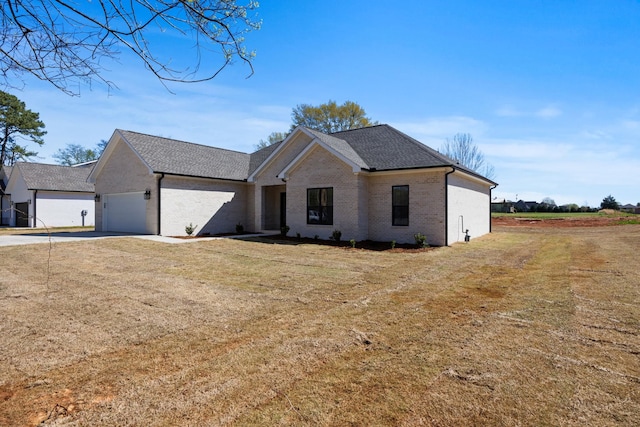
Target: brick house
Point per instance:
(374, 183)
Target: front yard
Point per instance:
(526, 326)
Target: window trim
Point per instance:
(321, 210)
(397, 220)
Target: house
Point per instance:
(374, 183)
(5, 199)
(522, 206)
(50, 195)
(502, 206)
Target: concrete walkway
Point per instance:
(74, 236)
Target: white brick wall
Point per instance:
(469, 206)
(124, 173)
(426, 206)
(214, 206)
(318, 170)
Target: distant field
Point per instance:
(552, 215)
(527, 326)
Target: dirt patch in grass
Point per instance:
(575, 221)
(521, 327)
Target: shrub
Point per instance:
(189, 229)
(393, 244)
(298, 236)
(353, 243)
(421, 240)
(284, 230)
(316, 237)
(239, 228)
(336, 235)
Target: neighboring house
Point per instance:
(374, 183)
(5, 199)
(522, 206)
(50, 195)
(628, 208)
(502, 206)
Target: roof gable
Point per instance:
(39, 176)
(173, 157)
(165, 155)
(338, 147)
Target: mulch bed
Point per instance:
(362, 245)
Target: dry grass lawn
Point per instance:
(521, 327)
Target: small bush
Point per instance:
(284, 230)
(336, 235)
(421, 240)
(189, 229)
(393, 244)
(353, 243)
(239, 228)
(298, 236)
(316, 237)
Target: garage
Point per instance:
(125, 212)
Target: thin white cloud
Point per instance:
(508, 111)
(549, 112)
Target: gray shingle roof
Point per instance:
(379, 147)
(165, 155)
(39, 176)
(261, 155)
(385, 148)
(5, 173)
(341, 146)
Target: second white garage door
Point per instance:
(125, 212)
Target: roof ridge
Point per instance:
(355, 129)
(183, 142)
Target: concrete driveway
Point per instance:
(73, 236)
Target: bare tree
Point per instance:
(64, 41)
(463, 150)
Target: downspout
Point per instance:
(446, 205)
(35, 216)
(159, 204)
(490, 190)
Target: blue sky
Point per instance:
(549, 90)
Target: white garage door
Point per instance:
(126, 212)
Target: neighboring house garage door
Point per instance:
(126, 212)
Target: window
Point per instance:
(400, 204)
(320, 206)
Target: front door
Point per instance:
(22, 214)
(283, 209)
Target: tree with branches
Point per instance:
(609, 202)
(271, 139)
(65, 42)
(327, 118)
(74, 154)
(330, 117)
(17, 123)
(464, 151)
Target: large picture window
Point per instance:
(400, 204)
(320, 206)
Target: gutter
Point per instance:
(490, 190)
(446, 205)
(159, 202)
